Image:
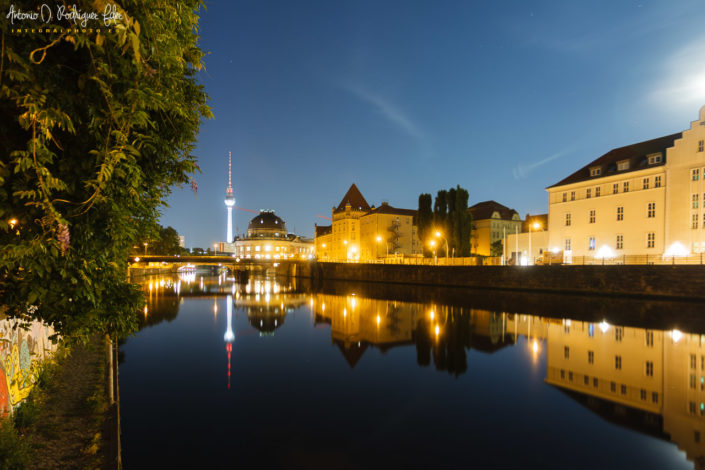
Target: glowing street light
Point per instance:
(440, 235)
(12, 223)
(145, 247)
(386, 245)
(433, 247)
(532, 227)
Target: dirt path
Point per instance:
(67, 433)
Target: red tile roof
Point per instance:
(355, 199)
(484, 210)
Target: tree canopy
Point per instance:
(96, 129)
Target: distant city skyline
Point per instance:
(402, 98)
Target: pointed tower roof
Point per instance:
(355, 199)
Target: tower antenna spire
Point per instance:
(229, 200)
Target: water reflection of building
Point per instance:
(649, 380)
(267, 303)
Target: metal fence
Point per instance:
(636, 259)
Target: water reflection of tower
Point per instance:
(229, 335)
(229, 202)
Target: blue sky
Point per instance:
(405, 97)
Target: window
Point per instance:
(654, 158)
(618, 333)
(692, 408)
(615, 188)
(595, 381)
(649, 368)
(620, 213)
(565, 197)
(626, 186)
(620, 242)
(654, 397)
(642, 395)
(572, 195)
(562, 374)
(591, 243)
(613, 387)
(692, 381)
(567, 244)
(596, 170)
(646, 183)
(693, 361)
(592, 216)
(651, 210)
(567, 220)
(591, 357)
(618, 362)
(623, 165)
(695, 174)
(566, 352)
(597, 191)
(696, 436)
(586, 379)
(695, 221)
(588, 193)
(650, 240)
(701, 145)
(570, 375)
(694, 198)
(657, 182)
(623, 389)
(649, 338)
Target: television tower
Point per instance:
(229, 201)
(229, 334)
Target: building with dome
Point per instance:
(268, 238)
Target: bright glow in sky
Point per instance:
(403, 97)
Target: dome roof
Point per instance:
(266, 220)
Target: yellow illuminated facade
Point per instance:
(268, 239)
(642, 199)
(491, 221)
(362, 233)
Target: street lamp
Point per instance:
(145, 248)
(433, 247)
(534, 226)
(440, 235)
(386, 246)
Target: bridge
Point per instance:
(233, 264)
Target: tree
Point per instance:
(96, 130)
(462, 222)
(440, 216)
(497, 248)
(424, 219)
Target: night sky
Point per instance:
(403, 97)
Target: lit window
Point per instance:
(620, 213)
(623, 165)
(694, 197)
(567, 244)
(651, 210)
(657, 182)
(597, 191)
(646, 183)
(626, 186)
(592, 216)
(615, 188)
(620, 242)
(695, 174)
(258, 248)
(650, 240)
(591, 243)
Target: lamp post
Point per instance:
(145, 248)
(386, 246)
(440, 235)
(433, 247)
(535, 226)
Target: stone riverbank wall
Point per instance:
(657, 281)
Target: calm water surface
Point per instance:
(270, 375)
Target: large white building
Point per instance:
(643, 199)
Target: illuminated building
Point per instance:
(362, 233)
(229, 202)
(267, 238)
(643, 199)
(490, 221)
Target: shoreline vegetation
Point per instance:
(65, 422)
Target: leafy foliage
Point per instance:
(96, 129)
(450, 216)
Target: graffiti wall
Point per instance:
(23, 347)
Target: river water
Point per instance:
(275, 374)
